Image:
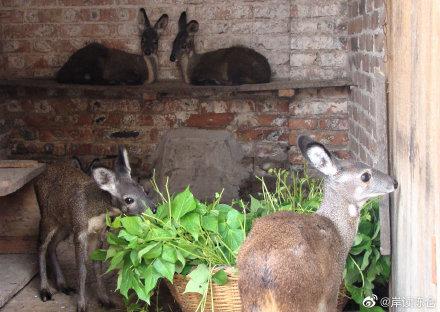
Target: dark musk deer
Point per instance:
(98, 65)
(294, 262)
(73, 202)
(230, 66)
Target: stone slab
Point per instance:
(11, 179)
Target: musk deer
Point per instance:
(96, 64)
(231, 66)
(72, 202)
(294, 262)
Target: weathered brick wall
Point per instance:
(367, 108)
(301, 38)
(50, 124)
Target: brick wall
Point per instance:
(301, 38)
(367, 108)
(50, 124)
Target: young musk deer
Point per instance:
(99, 65)
(231, 66)
(72, 202)
(294, 262)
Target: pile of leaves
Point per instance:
(185, 236)
(199, 239)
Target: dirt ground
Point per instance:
(28, 300)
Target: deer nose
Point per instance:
(396, 184)
(172, 58)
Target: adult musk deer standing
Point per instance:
(72, 202)
(96, 64)
(294, 262)
(230, 66)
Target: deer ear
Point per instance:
(122, 164)
(182, 21)
(192, 27)
(146, 20)
(105, 179)
(161, 24)
(317, 155)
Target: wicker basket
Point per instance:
(226, 297)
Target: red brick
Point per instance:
(210, 120)
(303, 124)
(271, 120)
(11, 16)
(333, 124)
(145, 120)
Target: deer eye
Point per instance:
(129, 200)
(184, 46)
(365, 177)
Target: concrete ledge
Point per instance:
(178, 87)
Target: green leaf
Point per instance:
(220, 277)
(191, 223)
(151, 277)
(132, 224)
(127, 282)
(127, 236)
(234, 219)
(181, 262)
(198, 282)
(182, 204)
(169, 253)
(210, 223)
(154, 252)
(98, 255)
(117, 260)
(365, 259)
(146, 249)
(165, 268)
(159, 234)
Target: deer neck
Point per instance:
(186, 63)
(151, 62)
(343, 213)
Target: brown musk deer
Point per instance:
(96, 64)
(294, 262)
(71, 202)
(230, 66)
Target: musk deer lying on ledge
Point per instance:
(72, 202)
(98, 65)
(294, 262)
(230, 66)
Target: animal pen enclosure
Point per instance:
(360, 76)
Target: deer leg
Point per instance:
(52, 249)
(46, 235)
(80, 240)
(96, 242)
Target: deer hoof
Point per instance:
(81, 308)
(45, 295)
(68, 290)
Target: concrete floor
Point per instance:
(28, 298)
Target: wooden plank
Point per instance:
(19, 221)
(18, 163)
(178, 87)
(15, 272)
(11, 179)
(18, 244)
(413, 70)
